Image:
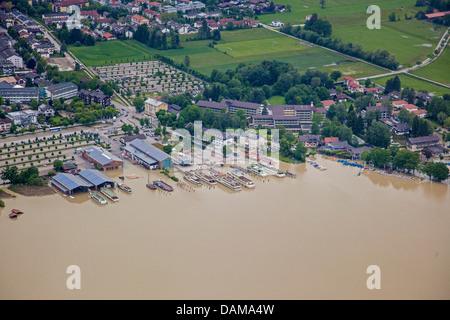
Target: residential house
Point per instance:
(46, 110)
(139, 19)
(94, 97)
(5, 124)
(310, 141)
(277, 23)
(152, 106)
(63, 5)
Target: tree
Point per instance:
(428, 169)
(31, 64)
(335, 75)
(393, 84)
(58, 165)
(11, 174)
(440, 171)
(187, 61)
(378, 135)
(300, 152)
(406, 160)
(380, 157)
(322, 3)
(139, 104)
(392, 17)
(167, 149)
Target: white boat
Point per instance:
(239, 177)
(273, 171)
(254, 169)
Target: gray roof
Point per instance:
(62, 87)
(100, 155)
(95, 177)
(149, 150)
(424, 139)
(70, 181)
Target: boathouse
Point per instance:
(148, 155)
(103, 159)
(96, 178)
(69, 183)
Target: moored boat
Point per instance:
(291, 174)
(164, 186)
(124, 187)
(109, 194)
(192, 178)
(151, 186)
(254, 169)
(206, 178)
(239, 177)
(97, 197)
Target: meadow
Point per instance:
(235, 47)
(417, 84)
(438, 70)
(409, 40)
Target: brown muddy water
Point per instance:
(312, 237)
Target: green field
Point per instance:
(239, 46)
(415, 83)
(408, 40)
(111, 52)
(277, 100)
(438, 70)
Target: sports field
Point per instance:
(409, 40)
(417, 84)
(235, 47)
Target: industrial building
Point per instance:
(85, 180)
(148, 155)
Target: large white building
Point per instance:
(23, 118)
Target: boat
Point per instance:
(226, 180)
(16, 211)
(97, 197)
(192, 178)
(254, 169)
(72, 197)
(121, 177)
(12, 215)
(291, 174)
(239, 177)
(109, 194)
(206, 178)
(164, 186)
(124, 187)
(149, 185)
(273, 171)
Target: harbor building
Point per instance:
(69, 183)
(96, 178)
(148, 155)
(103, 159)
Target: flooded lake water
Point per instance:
(312, 237)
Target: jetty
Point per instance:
(109, 194)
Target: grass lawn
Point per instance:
(416, 84)
(277, 100)
(437, 70)
(235, 47)
(111, 52)
(408, 40)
